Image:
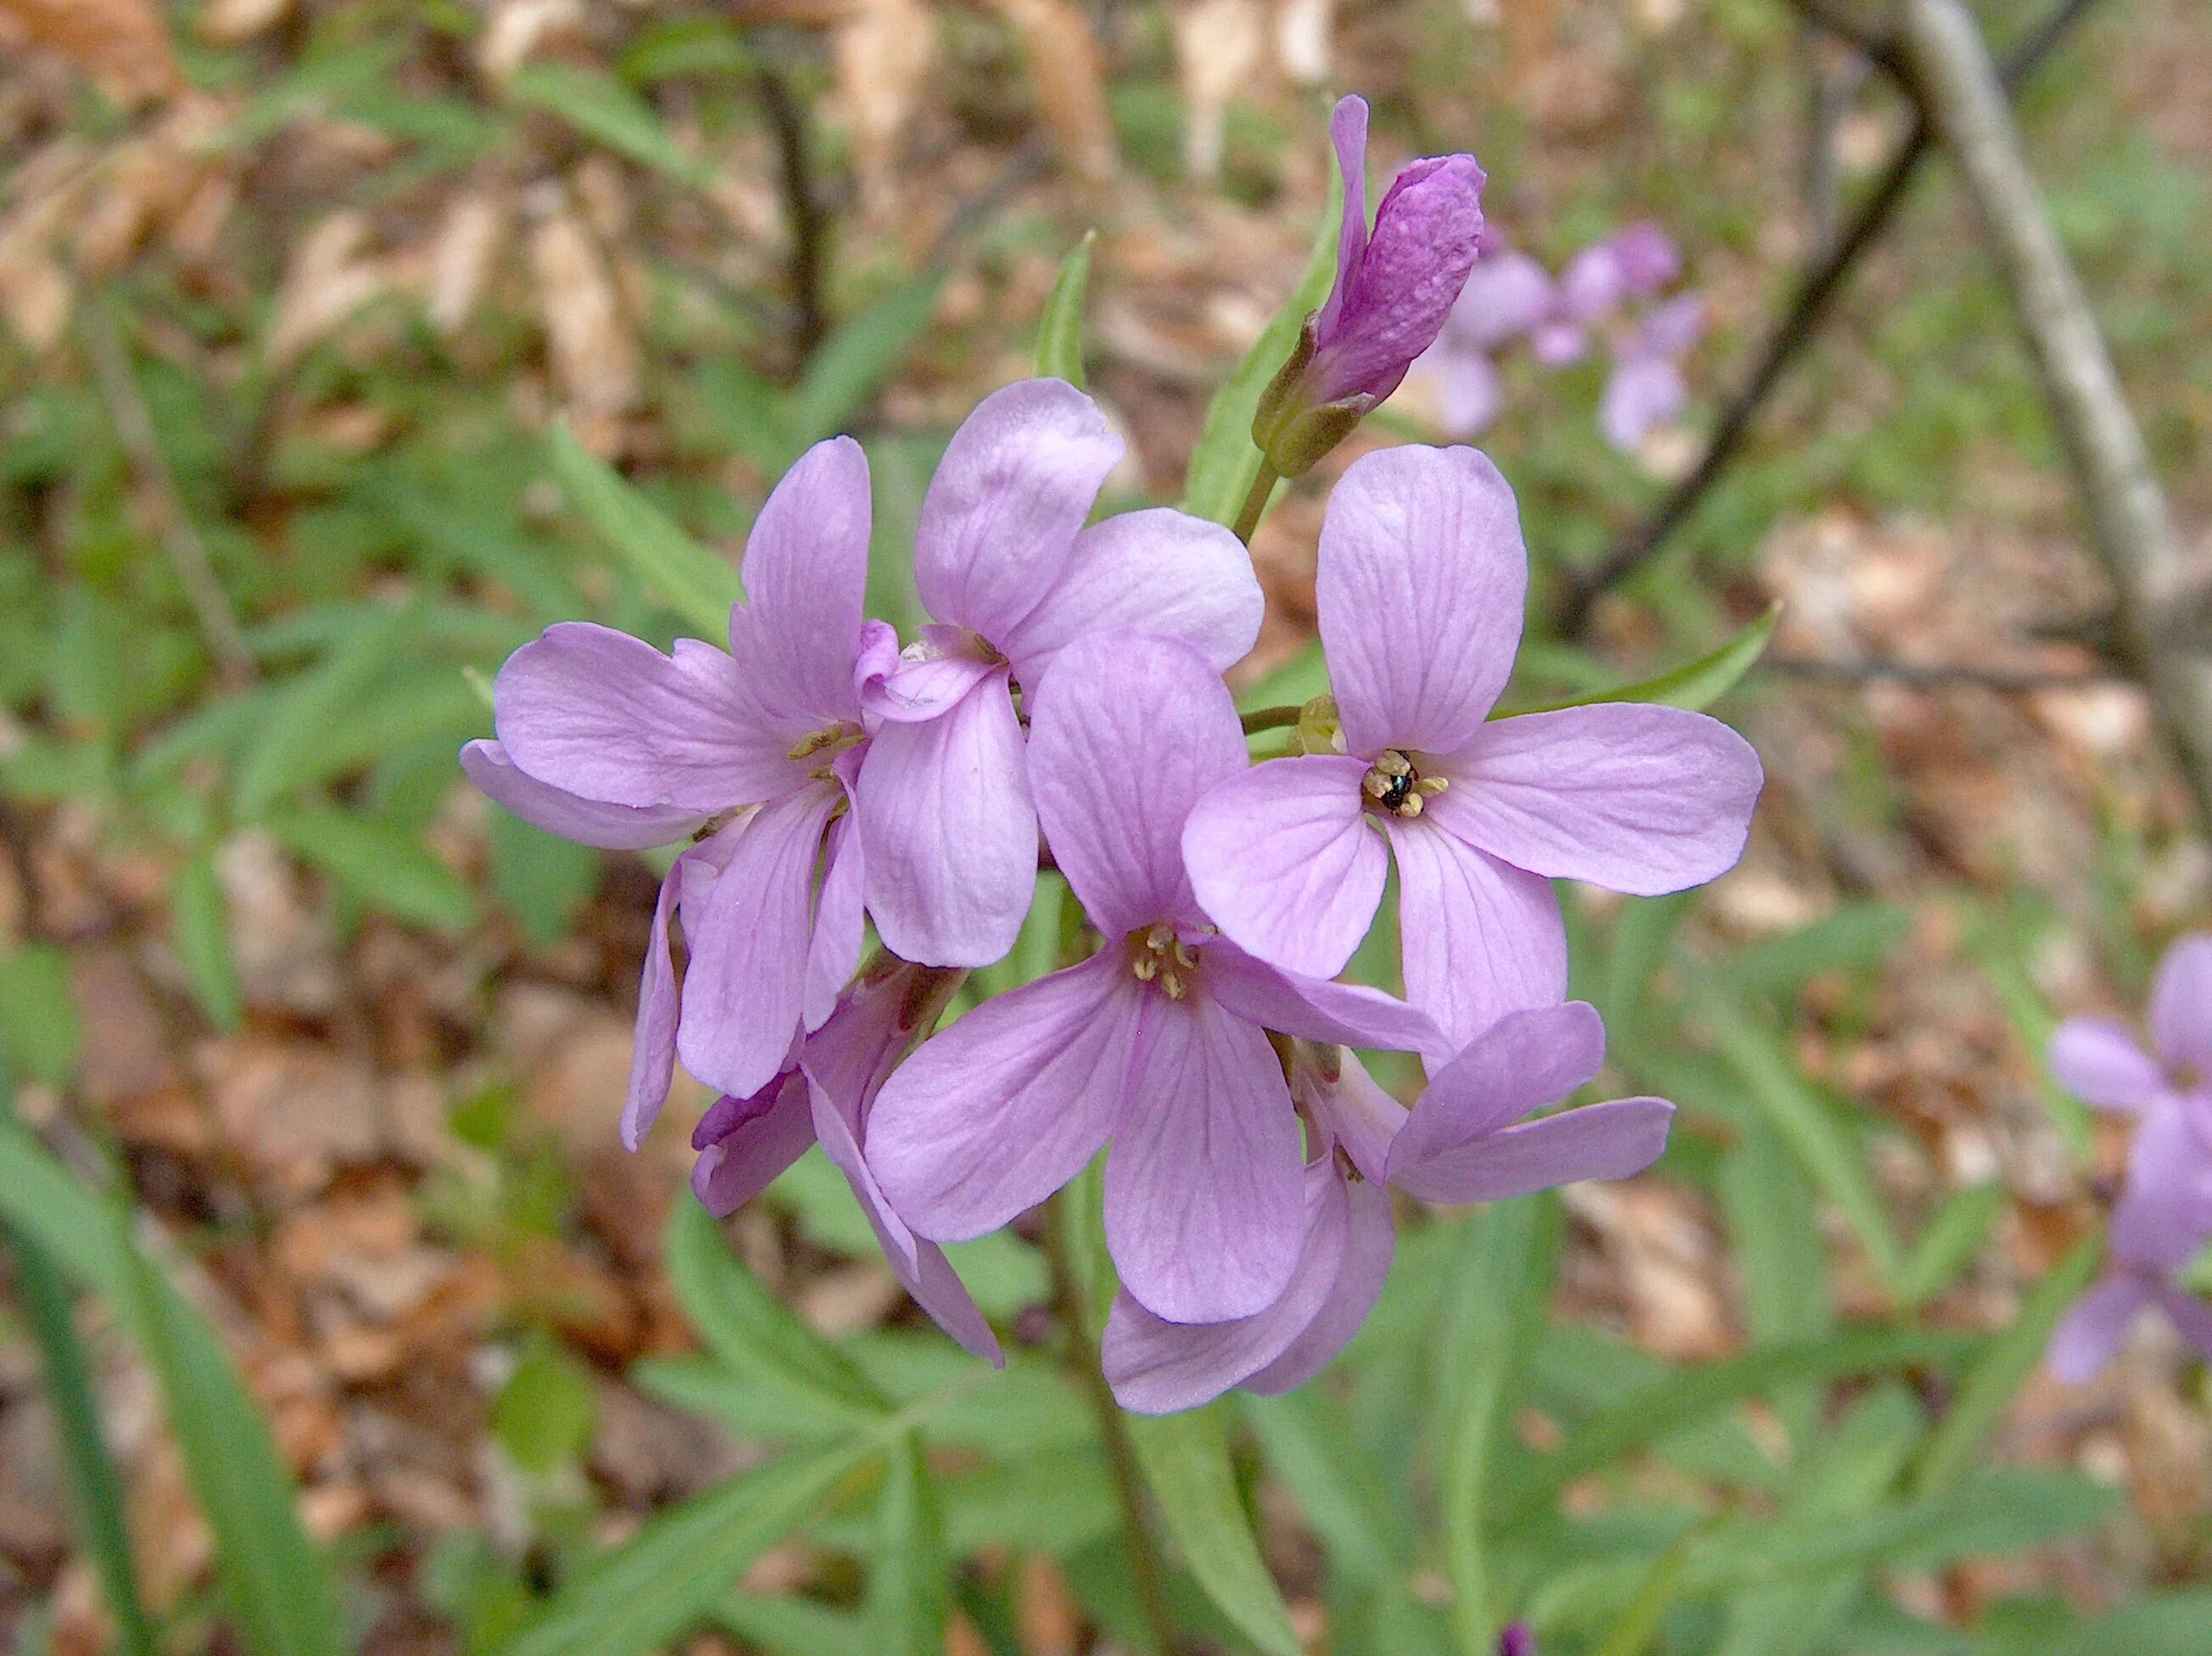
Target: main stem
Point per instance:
(1255, 503)
(1147, 1574)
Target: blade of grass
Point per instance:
(1059, 330)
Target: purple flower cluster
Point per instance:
(1069, 681)
(1615, 291)
(2164, 1217)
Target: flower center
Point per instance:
(1395, 789)
(1159, 956)
(832, 740)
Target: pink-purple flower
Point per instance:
(1465, 1141)
(1159, 1042)
(1421, 586)
(1508, 292)
(2164, 1216)
(1394, 286)
(1010, 575)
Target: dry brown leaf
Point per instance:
(882, 51)
(1304, 37)
(594, 359)
(122, 44)
(1218, 44)
(462, 255)
(1069, 80)
(519, 27)
(328, 281)
(36, 297)
(225, 22)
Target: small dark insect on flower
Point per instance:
(1396, 792)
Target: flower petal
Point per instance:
(1421, 586)
(1427, 228)
(758, 1138)
(1642, 393)
(1370, 1239)
(2099, 1063)
(1314, 1008)
(1008, 500)
(948, 831)
(2094, 1331)
(1517, 1065)
(993, 1115)
(1506, 295)
(1612, 1140)
(1470, 390)
(1347, 133)
(1127, 732)
(652, 1046)
(2191, 1317)
(1159, 571)
(1160, 1367)
(1478, 939)
(744, 991)
(921, 682)
(1286, 859)
(2181, 1003)
(1350, 1109)
(1203, 1210)
(607, 717)
(1634, 798)
(611, 827)
(807, 580)
(2164, 1215)
(840, 926)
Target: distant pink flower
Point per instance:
(824, 1096)
(1159, 1042)
(1507, 294)
(1010, 575)
(1421, 583)
(1646, 390)
(2164, 1216)
(603, 739)
(1461, 1143)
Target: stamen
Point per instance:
(1433, 785)
(1146, 967)
(1394, 787)
(841, 734)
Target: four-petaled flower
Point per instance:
(1421, 580)
(1159, 1042)
(1465, 1141)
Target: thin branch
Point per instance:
(2131, 526)
(1938, 675)
(802, 208)
(1871, 40)
(1808, 308)
(188, 554)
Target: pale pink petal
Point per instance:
(807, 580)
(1516, 1066)
(993, 1115)
(744, 991)
(1557, 342)
(1159, 571)
(1612, 1140)
(923, 681)
(1421, 582)
(1160, 1367)
(611, 827)
(2181, 1004)
(607, 717)
(1348, 131)
(1314, 1008)
(1203, 1210)
(1478, 939)
(1129, 732)
(2191, 1317)
(1673, 329)
(653, 1047)
(1506, 295)
(1370, 1239)
(2164, 1216)
(1643, 393)
(921, 1267)
(2092, 1332)
(1348, 1107)
(948, 831)
(754, 1139)
(839, 925)
(1284, 858)
(2099, 1063)
(1470, 393)
(1009, 498)
(1632, 797)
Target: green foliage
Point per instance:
(1059, 330)
(1186, 1462)
(693, 581)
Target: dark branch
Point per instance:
(802, 207)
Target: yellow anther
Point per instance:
(1432, 785)
(1146, 967)
(1391, 762)
(1375, 784)
(1409, 806)
(1183, 955)
(1173, 986)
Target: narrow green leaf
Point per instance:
(792, 1627)
(1186, 1461)
(1226, 462)
(1695, 684)
(606, 111)
(545, 1414)
(199, 934)
(1804, 1123)
(1954, 1234)
(750, 1328)
(1059, 330)
(1988, 1388)
(910, 1589)
(1632, 1635)
(696, 584)
(40, 1033)
(384, 867)
(858, 359)
(1312, 1449)
(291, 751)
(542, 880)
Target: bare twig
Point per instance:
(802, 207)
(188, 555)
(1873, 41)
(1808, 308)
(1936, 675)
(2131, 526)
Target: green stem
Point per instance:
(1255, 502)
(1147, 1574)
(1272, 718)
